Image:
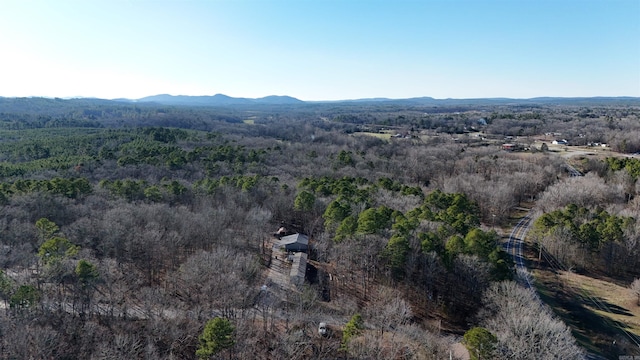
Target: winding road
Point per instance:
(514, 246)
(515, 243)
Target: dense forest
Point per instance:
(140, 230)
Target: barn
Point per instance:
(295, 243)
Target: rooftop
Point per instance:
(293, 239)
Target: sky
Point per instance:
(320, 49)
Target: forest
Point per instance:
(146, 231)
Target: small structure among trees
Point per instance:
(512, 147)
(290, 258)
(294, 243)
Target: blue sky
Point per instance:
(320, 49)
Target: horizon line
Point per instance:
(381, 98)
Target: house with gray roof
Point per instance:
(294, 243)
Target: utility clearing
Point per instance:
(600, 312)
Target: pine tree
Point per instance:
(216, 336)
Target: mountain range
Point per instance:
(224, 100)
(219, 100)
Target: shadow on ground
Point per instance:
(595, 332)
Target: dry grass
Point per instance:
(619, 300)
(383, 136)
(595, 309)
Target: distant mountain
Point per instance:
(54, 105)
(275, 99)
(429, 101)
(218, 100)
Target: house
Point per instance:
(513, 147)
(298, 268)
(296, 242)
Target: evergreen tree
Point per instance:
(481, 343)
(352, 328)
(216, 336)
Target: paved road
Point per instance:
(514, 246)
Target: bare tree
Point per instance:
(388, 310)
(635, 288)
(217, 281)
(525, 328)
(583, 191)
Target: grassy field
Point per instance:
(598, 311)
(384, 136)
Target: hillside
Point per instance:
(127, 227)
